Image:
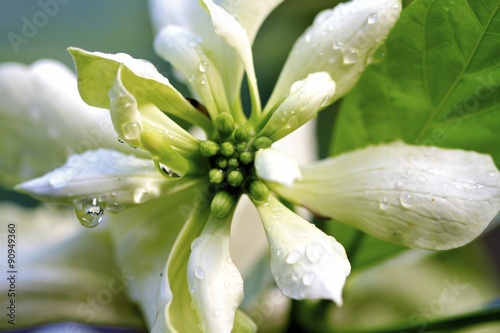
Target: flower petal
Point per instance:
(97, 73)
(63, 275)
(306, 98)
(185, 51)
(422, 197)
(274, 166)
(305, 262)
(215, 283)
(341, 41)
(42, 112)
(110, 179)
(149, 231)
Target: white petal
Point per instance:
(305, 262)
(340, 42)
(274, 166)
(215, 283)
(306, 98)
(42, 112)
(113, 179)
(423, 197)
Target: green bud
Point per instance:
(216, 176)
(233, 163)
(224, 125)
(209, 148)
(235, 178)
(241, 134)
(227, 149)
(222, 204)
(258, 191)
(246, 157)
(261, 143)
(241, 147)
(221, 162)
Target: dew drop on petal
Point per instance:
(131, 130)
(293, 257)
(120, 140)
(197, 241)
(325, 101)
(89, 213)
(350, 56)
(168, 171)
(293, 122)
(199, 273)
(296, 86)
(141, 195)
(314, 252)
(372, 18)
(218, 312)
(308, 278)
(203, 66)
(62, 176)
(406, 200)
(384, 204)
(338, 45)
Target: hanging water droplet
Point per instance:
(293, 257)
(167, 171)
(62, 176)
(141, 195)
(89, 213)
(350, 56)
(314, 252)
(131, 130)
(203, 66)
(406, 199)
(372, 18)
(308, 278)
(384, 204)
(120, 140)
(199, 273)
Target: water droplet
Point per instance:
(325, 101)
(406, 200)
(372, 18)
(114, 193)
(296, 86)
(308, 278)
(293, 257)
(132, 130)
(384, 204)
(168, 172)
(199, 273)
(89, 213)
(120, 140)
(141, 195)
(400, 183)
(229, 260)
(197, 241)
(218, 312)
(337, 45)
(62, 176)
(350, 56)
(203, 66)
(377, 55)
(203, 81)
(422, 179)
(314, 252)
(293, 122)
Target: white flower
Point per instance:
(186, 189)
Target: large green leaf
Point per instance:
(438, 84)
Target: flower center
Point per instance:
(231, 155)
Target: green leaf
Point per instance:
(438, 84)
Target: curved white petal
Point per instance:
(107, 178)
(274, 166)
(305, 262)
(307, 97)
(423, 197)
(215, 284)
(188, 54)
(43, 120)
(341, 41)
